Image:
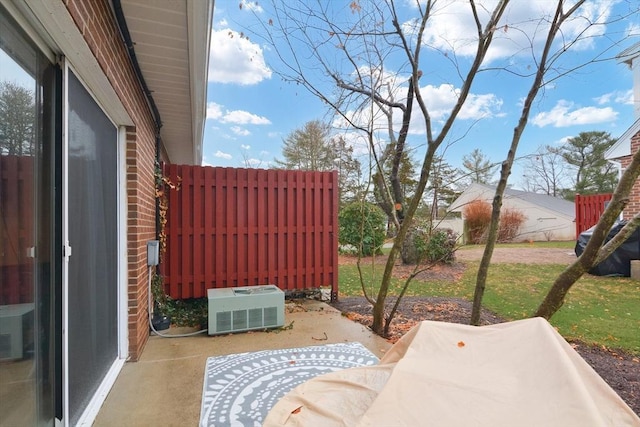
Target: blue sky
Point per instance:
(251, 110)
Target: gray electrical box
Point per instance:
(153, 252)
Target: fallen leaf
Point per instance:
(297, 410)
(460, 344)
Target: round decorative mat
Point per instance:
(240, 389)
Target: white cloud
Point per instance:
(563, 140)
(235, 59)
(633, 30)
(241, 117)
(564, 114)
(440, 101)
(523, 22)
(619, 97)
(214, 111)
(245, 147)
(221, 155)
(481, 106)
(240, 131)
(603, 99)
(625, 97)
(251, 5)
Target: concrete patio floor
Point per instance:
(165, 386)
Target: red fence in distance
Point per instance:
(232, 227)
(16, 229)
(589, 209)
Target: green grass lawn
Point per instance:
(601, 310)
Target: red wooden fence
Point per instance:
(16, 229)
(588, 210)
(241, 227)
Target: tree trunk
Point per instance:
(593, 253)
(483, 269)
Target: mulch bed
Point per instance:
(619, 369)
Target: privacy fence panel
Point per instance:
(16, 229)
(588, 210)
(231, 227)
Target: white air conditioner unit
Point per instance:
(15, 319)
(245, 308)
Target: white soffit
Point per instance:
(171, 43)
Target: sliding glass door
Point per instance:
(30, 362)
(45, 374)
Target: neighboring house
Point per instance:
(629, 143)
(547, 217)
(110, 86)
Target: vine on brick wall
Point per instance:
(164, 184)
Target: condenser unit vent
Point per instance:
(245, 308)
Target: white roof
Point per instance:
(550, 203)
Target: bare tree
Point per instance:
(348, 45)
(17, 120)
(545, 73)
(545, 172)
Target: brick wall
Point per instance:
(96, 22)
(633, 207)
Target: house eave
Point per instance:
(628, 55)
(171, 40)
(622, 147)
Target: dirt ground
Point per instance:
(619, 369)
(519, 255)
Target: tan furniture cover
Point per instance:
(520, 373)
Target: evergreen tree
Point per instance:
(478, 167)
(443, 187)
(312, 148)
(592, 173)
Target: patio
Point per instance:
(165, 386)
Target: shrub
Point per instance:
(477, 216)
(511, 221)
(442, 246)
(422, 245)
(363, 226)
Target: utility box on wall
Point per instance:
(245, 308)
